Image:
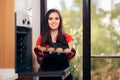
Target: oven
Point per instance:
(23, 44)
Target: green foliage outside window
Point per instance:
(72, 20)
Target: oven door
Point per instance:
(23, 50)
(23, 43)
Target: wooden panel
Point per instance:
(7, 40)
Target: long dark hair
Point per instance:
(46, 37)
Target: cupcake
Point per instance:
(42, 48)
(59, 50)
(67, 50)
(50, 50)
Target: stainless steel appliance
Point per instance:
(23, 32)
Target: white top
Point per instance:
(8, 74)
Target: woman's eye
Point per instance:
(57, 18)
(50, 18)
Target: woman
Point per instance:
(53, 38)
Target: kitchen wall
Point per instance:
(36, 31)
(36, 20)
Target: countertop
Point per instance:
(8, 74)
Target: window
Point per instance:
(105, 39)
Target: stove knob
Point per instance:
(24, 20)
(28, 22)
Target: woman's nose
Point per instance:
(53, 20)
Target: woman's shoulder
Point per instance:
(68, 37)
(39, 38)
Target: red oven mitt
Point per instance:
(39, 53)
(71, 54)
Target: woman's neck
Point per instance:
(54, 34)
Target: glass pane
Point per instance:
(105, 27)
(71, 12)
(105, 69)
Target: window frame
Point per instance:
(86, 40)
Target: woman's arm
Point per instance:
(71, 44)
(72, 50)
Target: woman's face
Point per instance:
(54, 21)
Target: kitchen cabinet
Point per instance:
(7, 34)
